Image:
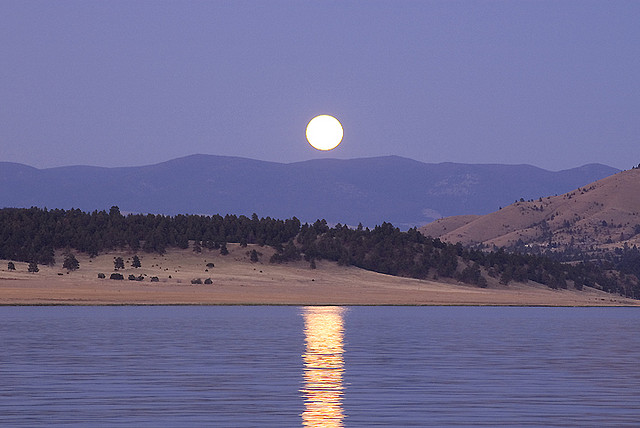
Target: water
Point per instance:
(332, 367)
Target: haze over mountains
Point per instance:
(598, 216)
(402, 191)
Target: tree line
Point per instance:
(33, 235)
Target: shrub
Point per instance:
(116, 276)
(209, 265)
(33, 267)
(11, 266)
(101, 275)
(196, 281)
(208, 281)
(132, 277)
(155, 279)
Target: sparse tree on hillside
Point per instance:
(33, 267)
(11, 266)
(70, 262)
(118, 263)
(135, 262)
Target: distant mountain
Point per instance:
(599, 216)
(370, 190)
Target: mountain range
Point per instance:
(370, 191)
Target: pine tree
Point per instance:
(135, 262)
(118, 263)
(223, 249)
(70, 262)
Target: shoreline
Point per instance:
(355, 305)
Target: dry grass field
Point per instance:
(237, 280)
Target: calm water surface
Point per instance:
(319, 366)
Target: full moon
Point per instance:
(324, 132)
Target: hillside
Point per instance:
(370, 191)
(600, 216)
(35, 235)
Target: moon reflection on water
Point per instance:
(323, 367)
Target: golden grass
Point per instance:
(603, 214)
(236, 280)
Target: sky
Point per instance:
(555, 84)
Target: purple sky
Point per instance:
(555, 84)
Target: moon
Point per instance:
(324, 132)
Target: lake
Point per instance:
(280, 366)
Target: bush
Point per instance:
(116, 276)
(208, 281)
(101, 275)
(33, 267)
(132, 277)
(196, 281)
(209, 265)
(11, 266)
(155, 279)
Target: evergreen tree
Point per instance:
(135, 262)
(33, 267)
(118, 263)
(70, 262)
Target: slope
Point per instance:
(599, 216)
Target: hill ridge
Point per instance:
(599, 216)
(370, 191)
